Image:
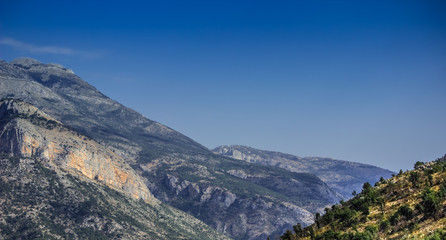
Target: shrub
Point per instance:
(429, 202)
(418, 164)
(414, 177)
(287, 236)
(373, 229)
(439, 234)
(406, 211)
(384, 225)
(394, 219)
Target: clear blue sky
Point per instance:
(355, 80)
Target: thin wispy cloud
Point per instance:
(31, 48)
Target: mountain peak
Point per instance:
(25, 62)
(31, 63)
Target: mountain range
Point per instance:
(97, 159)
(342, 176)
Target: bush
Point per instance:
(418, 164)
(329, 235)
(430, 203)
(287, 236)
(373, 229)
(442, 191)
(439, 234)
(384, 225)
(394, 219)
(406, 211)
(414, 178)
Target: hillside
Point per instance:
(39, 203)
(342, 176)
(410, 205)
(28, 132)
(56, 183)
(240, 199)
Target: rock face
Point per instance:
(241, 199)
(255, 216)
(28, 132)
(342, 176)
(40, 203)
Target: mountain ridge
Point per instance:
(342, 176)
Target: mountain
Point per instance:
(342, 176)
(29, 132)
(410, 205)
(240, 199)
(56, 183)
(62, 94)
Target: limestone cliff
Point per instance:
(28, 132)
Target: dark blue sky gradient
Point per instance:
(355, 80)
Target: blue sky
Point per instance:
(361, 81)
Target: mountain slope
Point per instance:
(60, 93)
(26, 131)
(411, 205)
(39, 203)
(56, 183)
(342, 176)
(243, 200)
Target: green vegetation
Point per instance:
(402, 206)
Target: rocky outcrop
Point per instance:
(28, 132)
(40, 203)
(237, 216)
(238, 173)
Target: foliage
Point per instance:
(406, 211)
(392, 209)
(430, 202)
(439, 234)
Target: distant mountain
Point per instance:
(240, 199)
(411, 205)
(342, 176)
(57, 183)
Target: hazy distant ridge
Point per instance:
(342, 176)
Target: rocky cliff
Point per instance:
(26, 131)
(342, 176)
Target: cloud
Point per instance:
(46, 49)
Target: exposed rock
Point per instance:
(238, 173)
(40, 203)
(25, 62)
(29, 132)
